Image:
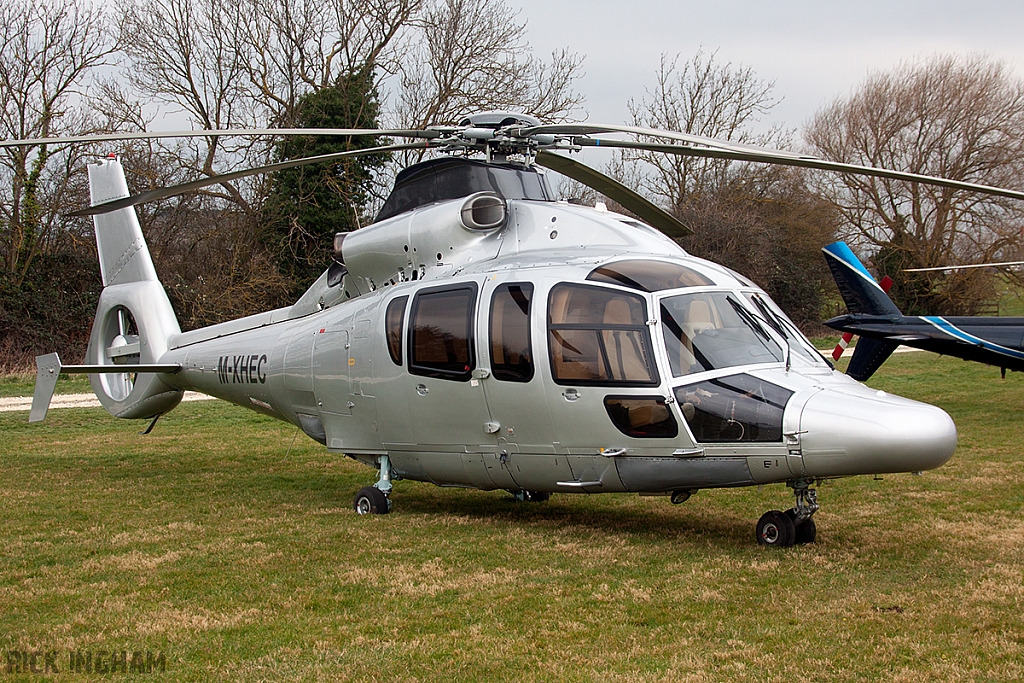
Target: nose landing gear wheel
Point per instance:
(371, 501)
(806, 531)
(775, 528)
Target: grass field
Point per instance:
(228, 544)
(22, 384)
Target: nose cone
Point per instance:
(857, 430)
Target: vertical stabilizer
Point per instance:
(863, 296)
(859, 290)
(868, 356)
(123, 254)
(134, 318)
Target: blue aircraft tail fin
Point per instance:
(868, 356)
(860, 291)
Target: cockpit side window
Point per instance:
(511, 350)
(648, 275)
(711, 330)
(599, 336)
(737, 408)
(440, 333)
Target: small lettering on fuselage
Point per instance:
(242, 369)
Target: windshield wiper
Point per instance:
(782, 325)
(748, 317)
(770, 317)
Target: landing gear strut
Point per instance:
(794, 526)
(375, 500)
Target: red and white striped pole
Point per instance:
(886, 285)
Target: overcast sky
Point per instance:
(814, 51)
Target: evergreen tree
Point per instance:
(309, 204)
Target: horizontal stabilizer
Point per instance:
(859, 290)
(868, 356)
(49, 369)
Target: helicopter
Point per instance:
(882, 327)
(480, 333)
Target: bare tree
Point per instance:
(702, 97)
(471, 55)
(189, 55)
(300, 47)
(245, 63)
(956, 117)
(48, 49)
(236, 63)
(758, 220)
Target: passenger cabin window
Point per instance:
(440, 333)
(642, 417)
(599, 336)
(648, 275)
(511, 353)
(394, 316)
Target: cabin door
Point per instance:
(447, 410)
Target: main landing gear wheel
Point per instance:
(794, 526)
(775, 528)
(806, 531)
(372, 501)
(530, 496)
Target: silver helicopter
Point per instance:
(482, 334)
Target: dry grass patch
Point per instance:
(234, 550)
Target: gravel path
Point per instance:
(15, 403)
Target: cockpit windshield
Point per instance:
(713, 330)
(773, 315)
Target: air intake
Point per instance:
(484, 211)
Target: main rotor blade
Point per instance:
(164, 192)
(598, 128)
(973, 265)
(788, 159)
(616, 191)
(429, 134)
